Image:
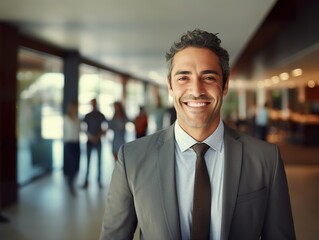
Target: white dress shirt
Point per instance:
(71, 129)
(185, 176)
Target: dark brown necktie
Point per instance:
(202, 196)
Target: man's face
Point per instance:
(196, 88)
(93, 103)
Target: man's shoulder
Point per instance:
(254, 151)
(151, 138)
(246, 138)
(149, 141)
(141, 152)
(94, 114)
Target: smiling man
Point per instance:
(198, 179)
(196, 85)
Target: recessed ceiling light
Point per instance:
(275, 79)
(284, 76)
(311, 84)
(296, 72)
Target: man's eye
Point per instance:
(210, 78)
(183, 78)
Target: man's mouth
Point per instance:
(196, 104)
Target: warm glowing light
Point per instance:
(284, 76)
(311, 84)
(296, 72)
(275, 79)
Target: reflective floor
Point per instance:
(303, 183)
(46, 210)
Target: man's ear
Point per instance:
(225, 90)
(169, 86)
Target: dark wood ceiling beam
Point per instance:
(283, 12)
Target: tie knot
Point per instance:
(200, 148)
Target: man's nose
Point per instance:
(197, 88)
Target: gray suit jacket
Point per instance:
(256, 201)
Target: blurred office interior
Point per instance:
(51, 54)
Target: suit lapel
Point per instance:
(166, 168)
(233, 162)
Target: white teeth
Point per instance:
(196, 104)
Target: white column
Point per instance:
(242, 106)
(260, 97)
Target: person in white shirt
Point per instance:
(71, 136)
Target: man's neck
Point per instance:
(200, 133)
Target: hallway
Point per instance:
(46, 210)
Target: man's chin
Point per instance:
(196, 124)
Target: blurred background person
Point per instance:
(94, 121)
(118, 125)
(158, 114)
(262, 116)
(141, 123)
(71, 136)
(251, 119)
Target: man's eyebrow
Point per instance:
(210, 72)
(182, 73)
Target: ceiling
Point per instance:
(306, 60)
(133, 36)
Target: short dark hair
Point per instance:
(200, 39)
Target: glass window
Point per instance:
(135, 97)
(39, 117)
(105, 86)
(111, 90)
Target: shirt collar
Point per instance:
(185, 141)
